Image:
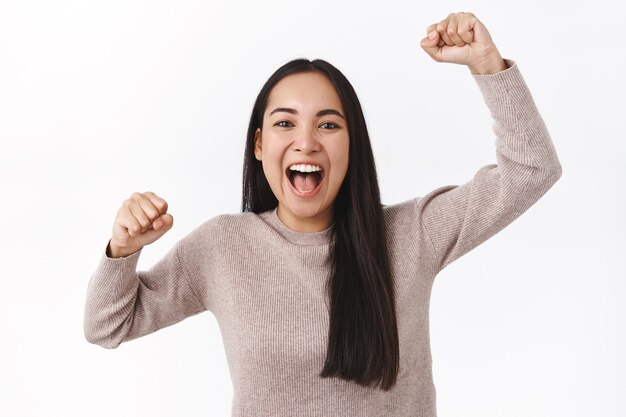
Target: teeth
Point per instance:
(304, 168)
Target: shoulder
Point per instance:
(399, 214)
(218, 229)
(403, 222)
(228, 221)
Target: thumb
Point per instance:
(163, 223)
(430, 45)
(160, 226)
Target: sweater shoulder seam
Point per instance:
(430, 239)
(188, 279)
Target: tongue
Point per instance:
(305, 182)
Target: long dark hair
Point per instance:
(363, 341)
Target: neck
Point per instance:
(317, 223)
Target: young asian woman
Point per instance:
(321, 292)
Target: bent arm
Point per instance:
(457, 218)
(124, 304)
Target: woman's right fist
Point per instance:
(141, 220)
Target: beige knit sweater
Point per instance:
(264, 283)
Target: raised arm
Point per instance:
(123, 303)
(457, 218)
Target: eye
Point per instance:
(333, 125)
(282, 121)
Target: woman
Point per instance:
(321, 292)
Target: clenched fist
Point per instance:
(462, 39)
(141, 220)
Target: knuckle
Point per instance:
(157, 201)
(151, 215)
(136, 195)
(162, 205)
(140, 214)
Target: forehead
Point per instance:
(306, 92)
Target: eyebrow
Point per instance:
(319, 113)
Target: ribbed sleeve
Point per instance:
(458, 218)
(123, 304)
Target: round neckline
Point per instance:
(299, 238)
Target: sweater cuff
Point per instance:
(508, 97)
(499, 83)
(125, 265)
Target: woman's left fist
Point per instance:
(462, 39)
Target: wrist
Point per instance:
(113, 251)
(489, 66)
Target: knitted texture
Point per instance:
(264, 283)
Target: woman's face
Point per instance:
(304, 130)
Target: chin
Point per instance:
(303, 209)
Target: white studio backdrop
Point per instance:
(102, 99)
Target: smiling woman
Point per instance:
(322, 293)
(306, 129)
(345, 200)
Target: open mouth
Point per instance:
(305, 182)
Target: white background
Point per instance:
(101, 99)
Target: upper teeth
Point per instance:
(304, 168)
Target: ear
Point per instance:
(257, 144)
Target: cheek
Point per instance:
(340, 160)
(272, 167)
(271, 171)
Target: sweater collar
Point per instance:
(299, 238)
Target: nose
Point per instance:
(306, 142)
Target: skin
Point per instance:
(460, 38)
(288, 138)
